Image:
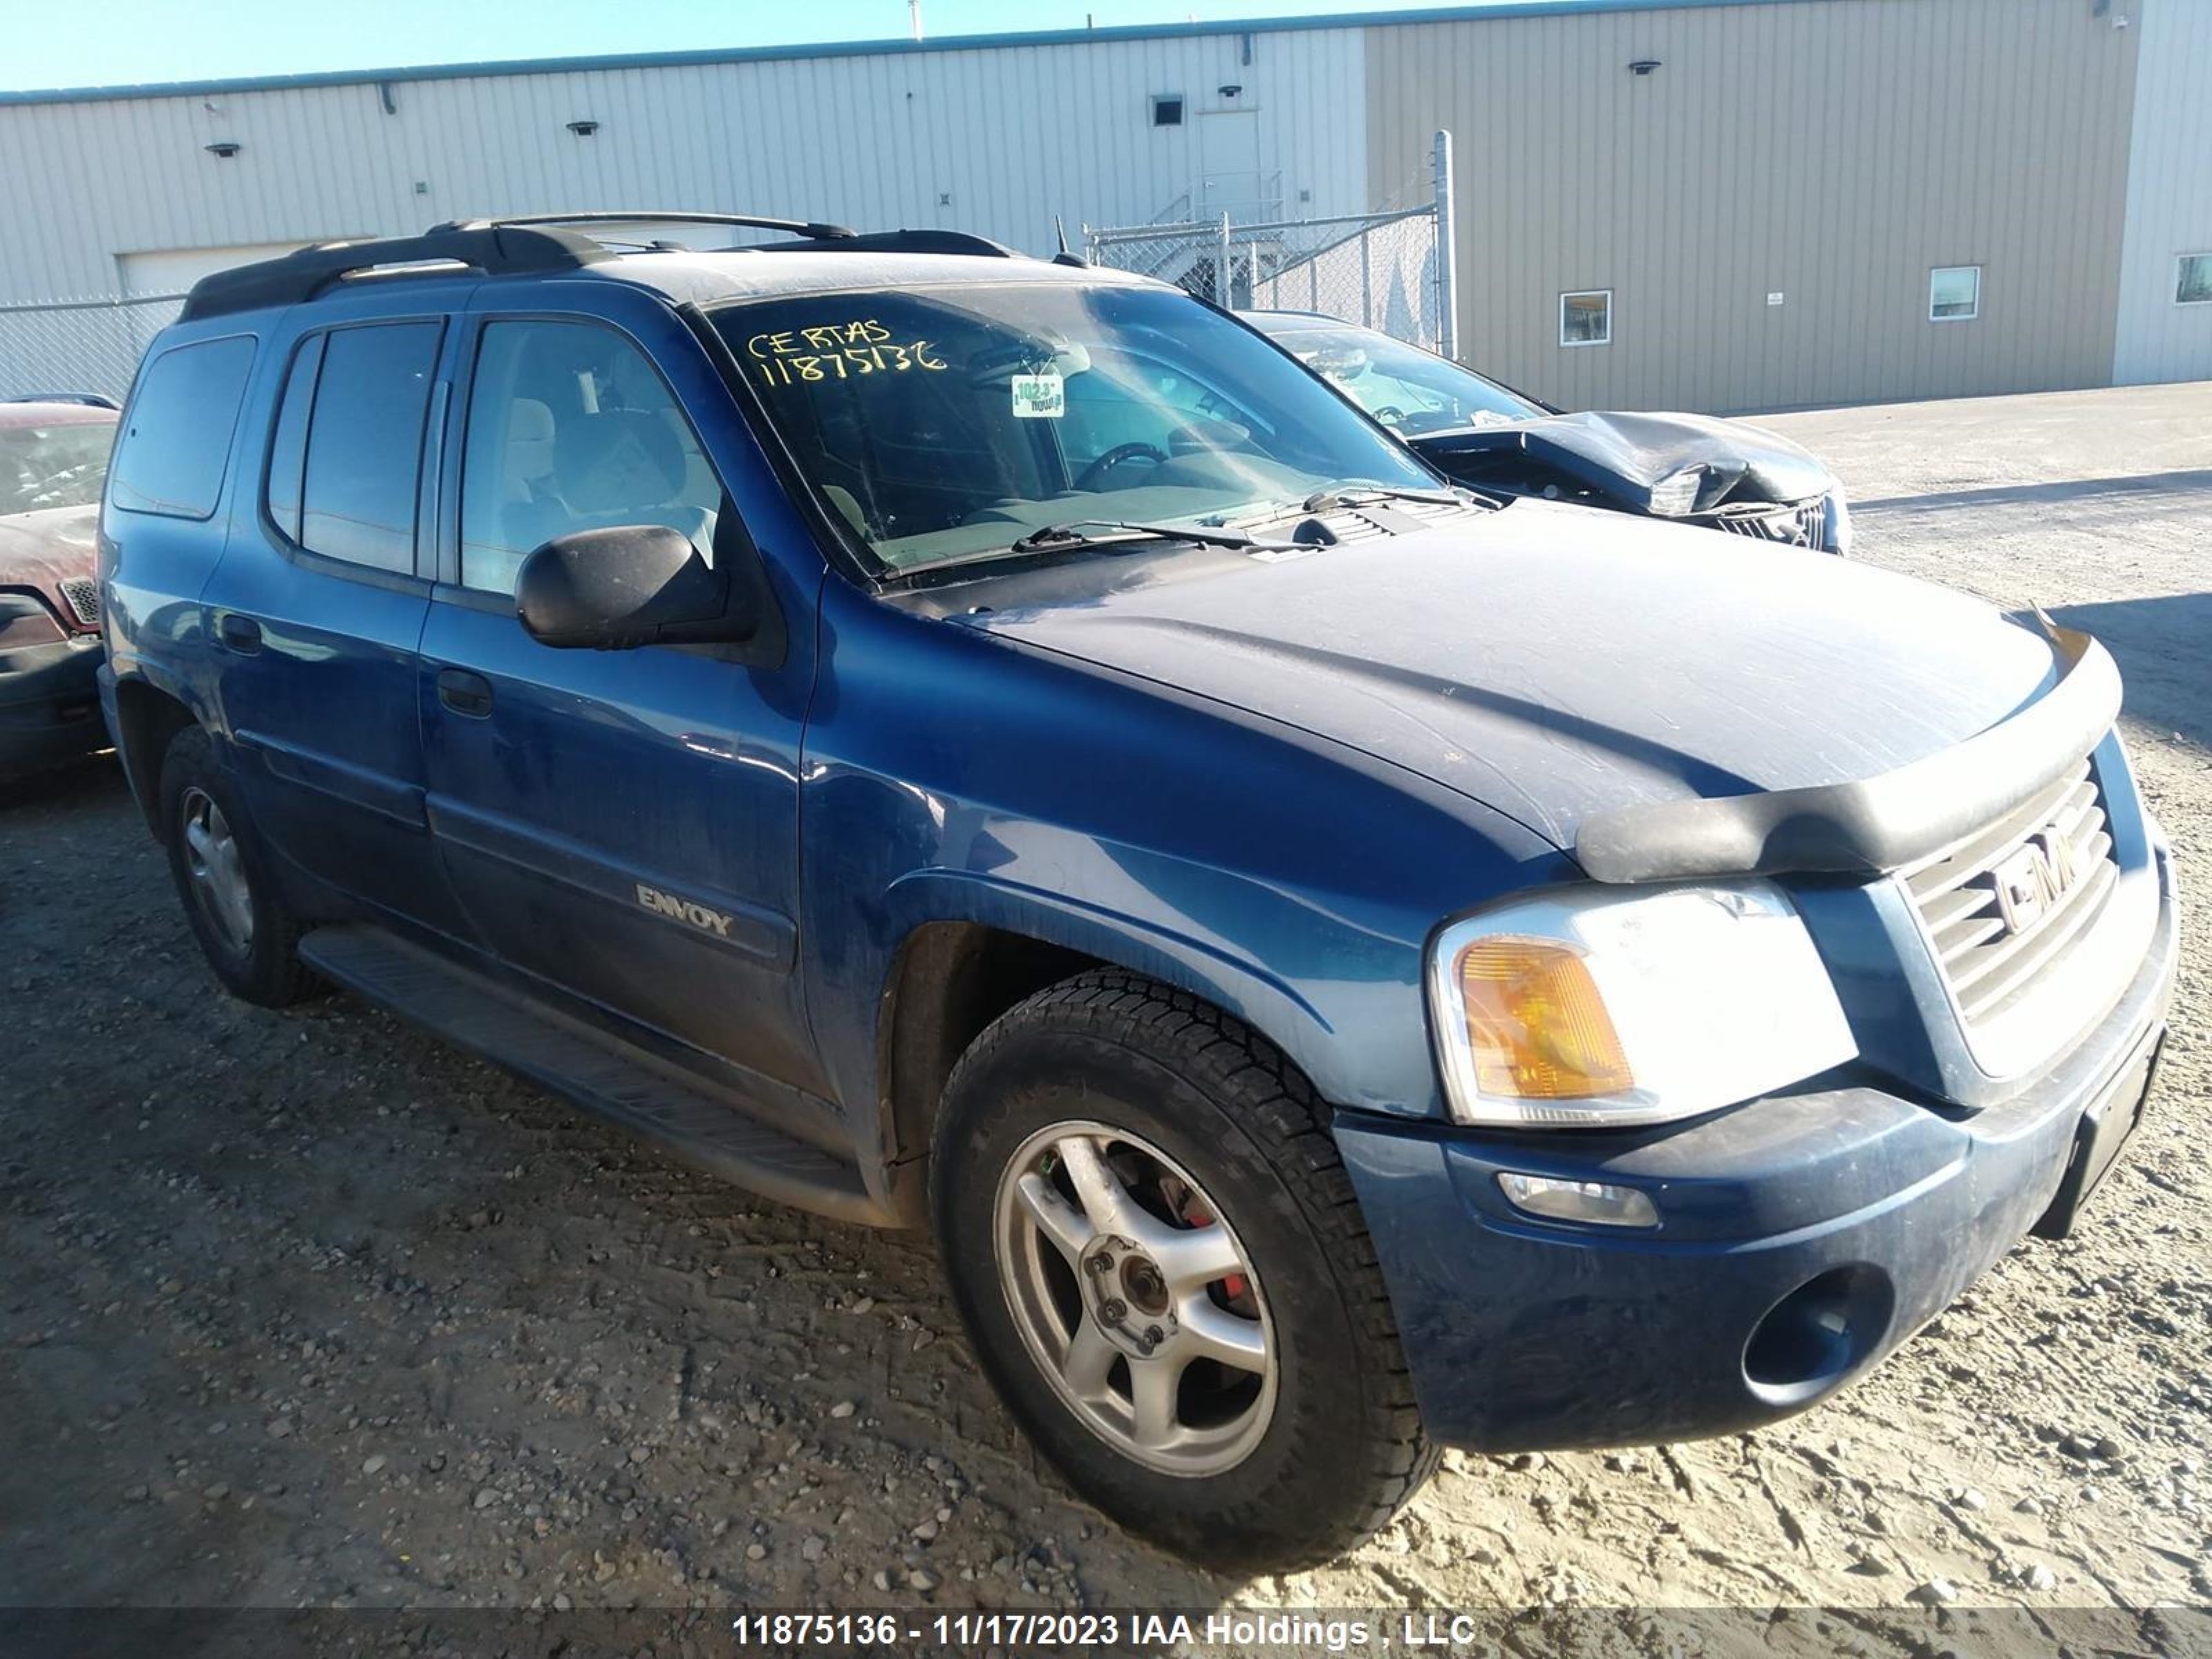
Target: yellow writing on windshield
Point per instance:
(837, 351)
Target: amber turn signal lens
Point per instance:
(1534, 1020)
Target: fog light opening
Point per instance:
(1816, 1335)
(1593, 1203)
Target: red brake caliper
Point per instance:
(1234, 1283)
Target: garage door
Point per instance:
(174, 270)
(156, 276)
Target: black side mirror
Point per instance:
(639, 584)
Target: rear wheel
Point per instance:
(248, 935)
(1160, 1257)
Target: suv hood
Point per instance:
(52, 545)
(1623, 456)
(1553, 662)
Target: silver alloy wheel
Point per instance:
(1153, 1332)
(218, 873)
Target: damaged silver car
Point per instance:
(1722, 475)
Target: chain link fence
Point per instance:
(79, 345)
(1389, 269)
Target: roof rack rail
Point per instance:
(526, 245)
(300, 275)
(809, 229)
(906, 241)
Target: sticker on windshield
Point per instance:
(1039, 397)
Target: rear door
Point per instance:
(317, 607)
(621, 825)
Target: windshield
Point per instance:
(59, 465)
(947, 423)
(1401, 385)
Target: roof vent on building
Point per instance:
(223, 148)
(585, 128)
(1643, 66)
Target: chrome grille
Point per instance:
(82, 594)
(1791, 526)
(2002, 906)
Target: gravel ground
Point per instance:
(305, 1310)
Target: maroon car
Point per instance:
(53, 461)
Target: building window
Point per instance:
(2193, 282)
(1955, 294)
(1586, 319)
(1167, 109)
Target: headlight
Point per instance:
(1838, 540)
(1595, 1007)
(1677, 493)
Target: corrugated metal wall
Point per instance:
(1831, 152)
(2169, 195)
(995, 141)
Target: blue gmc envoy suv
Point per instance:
(1345, 966)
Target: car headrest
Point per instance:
(617, 460)
(529, 439)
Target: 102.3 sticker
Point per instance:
(1040, 397)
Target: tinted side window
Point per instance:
(571, 428)
(170, 459)
(365, 444)
(288, 447)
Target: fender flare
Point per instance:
(1235, 982)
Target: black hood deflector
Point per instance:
(1868, 825)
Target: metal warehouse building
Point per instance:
(1723, 204)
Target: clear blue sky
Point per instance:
(77, 43)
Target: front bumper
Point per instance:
(1801, 1238)
(50, 703)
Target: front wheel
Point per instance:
(1158, 1256)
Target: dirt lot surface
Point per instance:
(306, 1309)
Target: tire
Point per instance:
(1307, 1444)
(251, 941)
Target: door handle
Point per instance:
(465, 693)
(240, 634)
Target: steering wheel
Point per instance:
(1390, 415)
(1119, 455)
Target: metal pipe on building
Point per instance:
(1447, 251)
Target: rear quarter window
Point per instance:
(171, 456)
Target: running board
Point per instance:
(696, 1121)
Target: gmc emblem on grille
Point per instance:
(2033, 877)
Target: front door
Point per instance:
(1230, 179)
(621, 825)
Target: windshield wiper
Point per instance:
(1076, 533)
(1357, 493)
